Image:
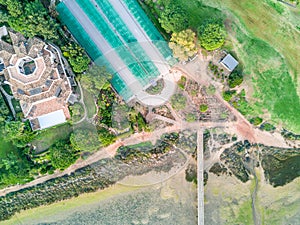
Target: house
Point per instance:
(229, 62)
(36, 75)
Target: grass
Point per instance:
(244, 215)
(278, 30)
(268, 50)
(89, 103)
(49, 136)
(53, 210)
(197, 12)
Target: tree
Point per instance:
(173, 18)
(211, 36)
(30, 18)
(62, 155)
(18, 132)
(14, 7)
(183, 44)
(85, 140)
(95, 79)
(76, 56)
(3, 17)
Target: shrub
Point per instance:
(256, 121)
(178, 101)
(211, 90)
(203, 108)
(235, 79)
(181, 83)
(190, 117)
(227, 95)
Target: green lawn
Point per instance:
(49, 136)
(89, 103)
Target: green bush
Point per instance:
(203, 108)
(256, 121)
(181, 83)
(227, 95)
(235, 79)
(106, 138)
(267, 127)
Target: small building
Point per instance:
(229, 62)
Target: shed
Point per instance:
(229, 62)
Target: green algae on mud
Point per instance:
(172, 200)
(65, 207)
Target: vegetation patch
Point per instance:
(280, 167)
(178, 101)
(203, 108)
(191, 173)
(145, 150)
(156, 88)
(272, 74)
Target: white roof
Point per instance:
(229, 62)
(52, 119)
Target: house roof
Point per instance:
(229, 62)
(51, 119)
(43, 93)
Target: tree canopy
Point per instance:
(95, 79)
(211, 35)
(29, 18)
(76, 56)
(62, 155)
(173, 18)
(18, 132)
(183, 44)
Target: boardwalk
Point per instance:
(200, 182)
